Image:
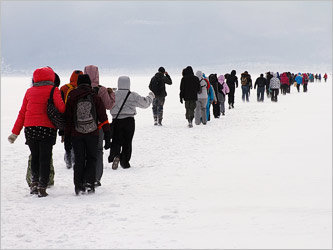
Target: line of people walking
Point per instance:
(84, 103)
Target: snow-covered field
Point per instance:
(260, 177)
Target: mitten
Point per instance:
(12, 138)
(107, 139)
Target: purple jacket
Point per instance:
(107, 99)
(224, 86)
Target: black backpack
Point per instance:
(57, 118)
(85, 117)
(155, 85)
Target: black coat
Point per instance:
(260, 82)
(189, 85)
(160, 79)
(232, 81)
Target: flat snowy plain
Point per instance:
(259, 177)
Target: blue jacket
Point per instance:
(298, 79)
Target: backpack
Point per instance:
(85, 117)
(244, 80)
(70, 88)
(155, 85)
(57, 118)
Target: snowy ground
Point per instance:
(260, 177)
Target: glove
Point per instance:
(181, 100)
(12, 138)
(107, 139)
(152, 95)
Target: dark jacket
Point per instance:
(160, 79)
(232, 80)
(72, 99)
(260, 82)
(189, 85)
(214, 82)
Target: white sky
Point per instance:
(135, 34)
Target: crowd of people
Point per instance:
(84, 103)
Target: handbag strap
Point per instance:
(51, 94)
(123, 103)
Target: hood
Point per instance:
(274, 75)
(124, 82)
(93, 73)
(188, 71)
(199, 74)
(221, 79)
(74, 77)
(233, 72)
(43, 74)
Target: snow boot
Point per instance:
(33, 188)
(190, 125)
(159, 122)
(155, 121)
(80, 190)
(229, 106)
(90, 188)
(97, 184)
(124, 164)
(68, 160)
(115, 163)
(42, 192)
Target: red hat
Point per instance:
(44, 74)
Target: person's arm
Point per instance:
(21, 116)
(143, 102)
(58, 101)
(167, 79)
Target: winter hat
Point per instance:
(43, 74)
(199, 74)
(161, 70)
(124, 82)
(83, 79)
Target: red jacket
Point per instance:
(284, 79)
(33, 109)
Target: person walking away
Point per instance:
(305, 82)
(40, 133)
(85, 114)
(269, 76)
(274, 85)
(298, 80)
(319, 77)
(232, 82)
(65, 89)
(201, 103)
(124, 126)
(216, 106)
(157, 86)
(211, 98)
(284, 83)
(223, 90)
(261, 82)
(246, 83)
(189, 89)
(325, 77)
(108, 98)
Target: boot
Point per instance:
(159, 122)
(90, 188)
(33, 188)
(230, 106)
(80, 190)
(42, 192)
(68, 159)
(190, 125)
(115, 163)
(155, 121)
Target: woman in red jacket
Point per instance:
(40, 133)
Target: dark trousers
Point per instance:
(305, 87)
(260, 94)
(216, 109)
(297, 86)
(41, 153)
(190, 107)
(158, 103)
(231, 95)
(274, 94)
(85, 151)
(284, 88)
(121, 145)
(288, 89)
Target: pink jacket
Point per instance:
(224, 86)
(108, 99)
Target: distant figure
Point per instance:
(261, 82)
(232, 82)
(223, 90)
(269, 76)
(216, 106)
(201, 104)
(319, 77)
(325, 77)
(274, 85)
(305, 82)
(284, 83)
(189, 89)
(157, 86)
(124, 125)
(298, 80)
(246, 82)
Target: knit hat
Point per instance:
(83, 79)
(161, 69)
(43, 74)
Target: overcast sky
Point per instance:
(138, 34)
